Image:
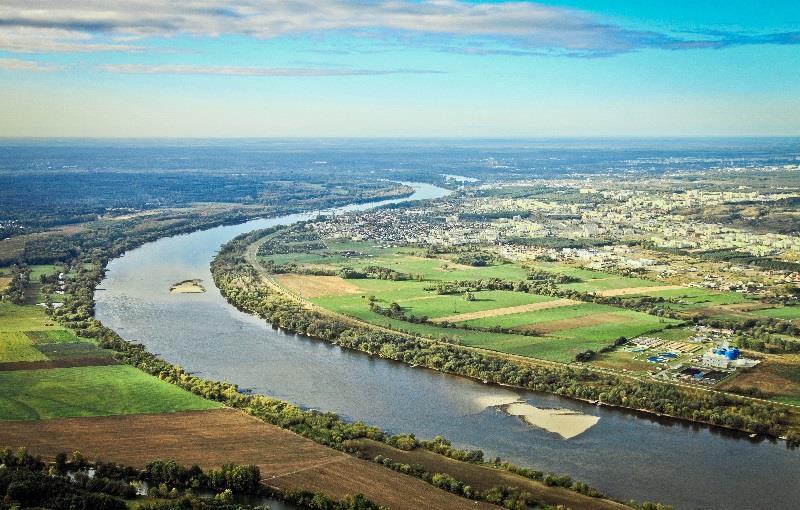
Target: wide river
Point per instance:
(626, 455)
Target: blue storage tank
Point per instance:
(732, 353)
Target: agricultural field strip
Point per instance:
(594, 319)
(511, 310)
(637, 290)
(90, 391)
(317, 286)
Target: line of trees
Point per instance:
(20, 279)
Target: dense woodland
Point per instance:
(37, 197)
(104, 239)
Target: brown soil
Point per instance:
(637, 290)
(310, 286)
(496, 312)
(576, 322)
(89, 361)
(212, 438)
(4, 282)
(483, 478)
(776, 375)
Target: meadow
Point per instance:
(507, 321)
(47, 371)
(784, 312)
(90, 391)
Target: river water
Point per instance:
(626, 455)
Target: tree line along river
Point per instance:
(626, 455)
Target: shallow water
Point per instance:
(625, 454)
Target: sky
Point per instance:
(399, 68)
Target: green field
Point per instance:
(16, 346)
(28, 334)
(25, 318)
(693, 298)
(631, 325)
(610, 282)
(90, 391)
(785, 312)
(417, 298)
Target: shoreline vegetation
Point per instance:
(243, 287)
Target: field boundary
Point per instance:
(509, 310)
(628, 291)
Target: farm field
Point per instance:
(482, 477)
(514, 322)
(28, 336)
(89, 391)
(784, 312)
(25, 318)
(776, 375)
(16, 346)
(215, 437)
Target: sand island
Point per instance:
(188, 287)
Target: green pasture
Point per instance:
(630, 326)
(16, 346)
(25, 318)
(90, 391)
(784, 312)
(439, 270)
(692, 298)
(609, 283)
(583, 274)
(433, 305)
(674, 334)
(415, 300)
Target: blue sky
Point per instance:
(399, 68)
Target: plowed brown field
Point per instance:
(212, 438)
(310, 286)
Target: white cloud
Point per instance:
(529, 28)
(521, 23)
(253, 71)
(13, 64)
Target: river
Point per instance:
(624, 454)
